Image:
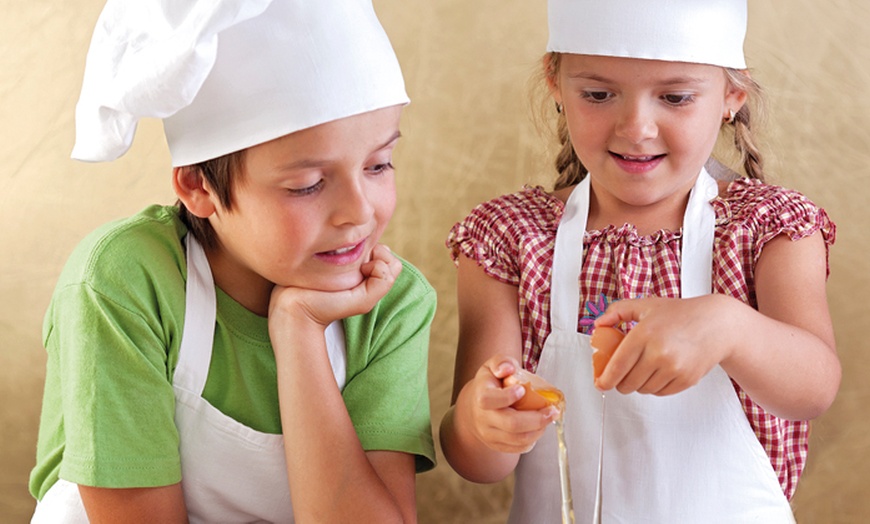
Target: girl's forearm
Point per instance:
(468, 456)
(787, 370)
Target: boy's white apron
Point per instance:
(230, 472)
(685, 458)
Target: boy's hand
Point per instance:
(491, 418)
(324, 307)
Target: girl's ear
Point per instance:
(735, 97)
(550, 75)
(192, 190)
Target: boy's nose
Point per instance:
(354, 206)
(636, 123)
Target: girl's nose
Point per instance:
(354, 205)
(636, 123)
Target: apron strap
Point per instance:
(696, 265)
(568, 254)
(200, 309)
(699, 224)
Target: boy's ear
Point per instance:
(191, 189)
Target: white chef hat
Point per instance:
(698, 31)
(225, 75)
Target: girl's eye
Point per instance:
(596, 96)
(307, 190)
(380, 168)
(678, 99)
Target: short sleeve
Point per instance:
(769, 211)
(387, 393)
(115, 317)
(118, 405)
(497, 234)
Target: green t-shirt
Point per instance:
(112, 333)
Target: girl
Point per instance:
(255, 344)
(719, 284)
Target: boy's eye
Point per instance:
(380, 168)
(678, 99)
(306, 190)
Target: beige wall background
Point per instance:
(468, 137)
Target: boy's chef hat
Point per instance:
(225, 75)
(698, 31)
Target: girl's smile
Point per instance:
(638, 164)
(643, 129)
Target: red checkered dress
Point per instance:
(512, 238)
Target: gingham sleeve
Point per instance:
(770, 211)
(495, 233)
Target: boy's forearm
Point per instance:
(330, 476)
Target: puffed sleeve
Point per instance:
(499, 233)
(769, 211)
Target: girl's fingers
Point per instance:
(623, 362)
(516, 443)
(628, 310)
(499, 398)
(501, 367)
(517, 431)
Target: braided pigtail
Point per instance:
(568, 166)
(571, 170)
(744, 141)
(744, 137)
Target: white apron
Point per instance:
(685, 458)
(230, 472)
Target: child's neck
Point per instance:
(665, 215)
(645, 222)
(247, 288)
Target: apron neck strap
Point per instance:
(200, 310)
(568, 260)
(696, 267)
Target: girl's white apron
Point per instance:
(685, 458)
(230, 472)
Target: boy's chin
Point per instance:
(334, 283)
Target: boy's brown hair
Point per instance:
(221, 174)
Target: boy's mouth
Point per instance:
(345, 254)
(341, 251)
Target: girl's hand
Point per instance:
(489, 414)
(673, 345)
(324, 307)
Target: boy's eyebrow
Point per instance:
(309, 163)
(582, 75)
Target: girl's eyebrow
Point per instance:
(677, 80)
(308, 163)
(397, 135)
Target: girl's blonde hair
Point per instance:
(571, 170)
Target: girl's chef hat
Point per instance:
(698, 31)
(225, 75)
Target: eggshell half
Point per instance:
(539, 393)
(604, 342)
